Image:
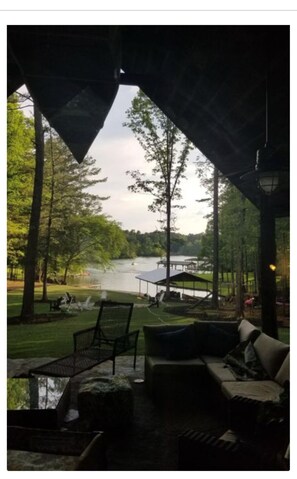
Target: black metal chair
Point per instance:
(109, 338)
(56, 303)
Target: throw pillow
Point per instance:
(271, 353)
(247, 331)
(180, 344)
(218, 341)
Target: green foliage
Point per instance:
(20, 164)
(69, 210)
(17, 393)
(67, 182)
(88, 239)
(154, 244)
(165, 147)
(239, 218)
(73, 232)
(283, 256)
(230, 218)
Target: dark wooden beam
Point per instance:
(267, 263)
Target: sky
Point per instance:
(116, 150)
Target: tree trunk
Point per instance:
(168, 245)
(65, 274)
(33, 393)
(168, 208)
(44, 281)
(239, 306)
(246, 267)
(239, 302)
(215, 274)
(233, 272)
(32, 244)
(256, 270)
(48, 233)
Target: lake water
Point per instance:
(121, 276)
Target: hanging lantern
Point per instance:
(266, 166)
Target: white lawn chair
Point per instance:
(87, 305)
(103, 296)
(71, 304)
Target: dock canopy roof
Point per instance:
(158, 276)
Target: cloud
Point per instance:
(116, 150)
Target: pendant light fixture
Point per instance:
(266, 158)
(266, 172)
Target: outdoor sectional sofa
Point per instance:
(229, 357)
(241, 373)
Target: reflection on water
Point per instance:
(34, 393)
(121, 276)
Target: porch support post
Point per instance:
(267, 274)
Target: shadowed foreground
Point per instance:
(151, 442)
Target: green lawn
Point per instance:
(284, 335)
(54, 339)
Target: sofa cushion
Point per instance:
(162, 366)
(179, 344)
(208, 359)
(220, 372)
(247, 331)
(218, 341)
(204, 329)
(283, 373)
(229, 326)
(271, 353)
(154, 347)
(260, 390)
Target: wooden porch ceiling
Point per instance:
(209, 80)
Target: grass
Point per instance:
(54, 339)
(284, 335)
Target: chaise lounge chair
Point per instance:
(109, 338)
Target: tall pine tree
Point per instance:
(167, 150)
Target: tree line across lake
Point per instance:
(154, 244)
